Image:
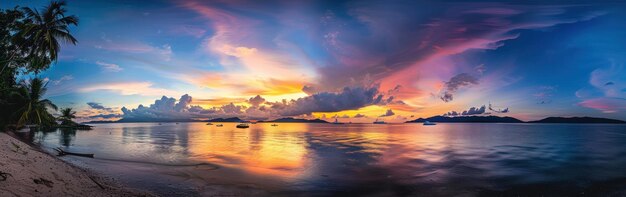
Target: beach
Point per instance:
(27, 171)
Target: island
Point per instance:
(483, 119)
(285, 120)
(231, 119)
(578, 120)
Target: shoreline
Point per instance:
(27, 170)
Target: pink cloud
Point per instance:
(606, 105)
(495, 11)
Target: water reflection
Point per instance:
(67, 135)
(365, 159)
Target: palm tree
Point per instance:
(32, 109)
(46, 28)
(67, 115)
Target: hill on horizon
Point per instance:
(486, 119)
(577, 120)
(507, 119)
(289, 119)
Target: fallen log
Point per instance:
(61, 152)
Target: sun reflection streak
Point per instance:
(281, 153)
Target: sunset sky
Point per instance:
(356, 60)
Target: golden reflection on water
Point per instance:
(261, 149)
(285, 151)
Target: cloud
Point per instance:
(105, 116)
(480, 69)
(454, 84)
(129, 88)
(610, 80)
(182, 103)
(62, 79)
(162, 53)
(109, 67)
(348, 98)
(99, 106)
(360, 116)
(471, 111)
(256, 101)
(544, 94)
(505, 110)
(389, 112)
(309, 89)
(164, 108)
(606, 105)
(451, 113)
(474, 111)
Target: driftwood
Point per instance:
(61, 152)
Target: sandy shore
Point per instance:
(26, 171)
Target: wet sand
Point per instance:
(27, 171)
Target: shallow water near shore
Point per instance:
(468, 159)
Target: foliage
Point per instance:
(29, 42)
(32, 108)
(66, 116)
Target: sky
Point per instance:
(355, 61)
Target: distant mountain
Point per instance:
(490, 119)
(99, 122)
(232, 119)
(298, 120)
(577, 120)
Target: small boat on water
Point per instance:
(379, 121)
(337, 122)
(209, 123)
(429, 123)
(219, 125)
(274, 125)
(243, 125)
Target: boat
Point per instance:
(429, 123)
(379, 121)
(209, 123)
(337, 122)
(219, 125)
(274, 125)
(243, 125)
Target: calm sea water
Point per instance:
(297, 159)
